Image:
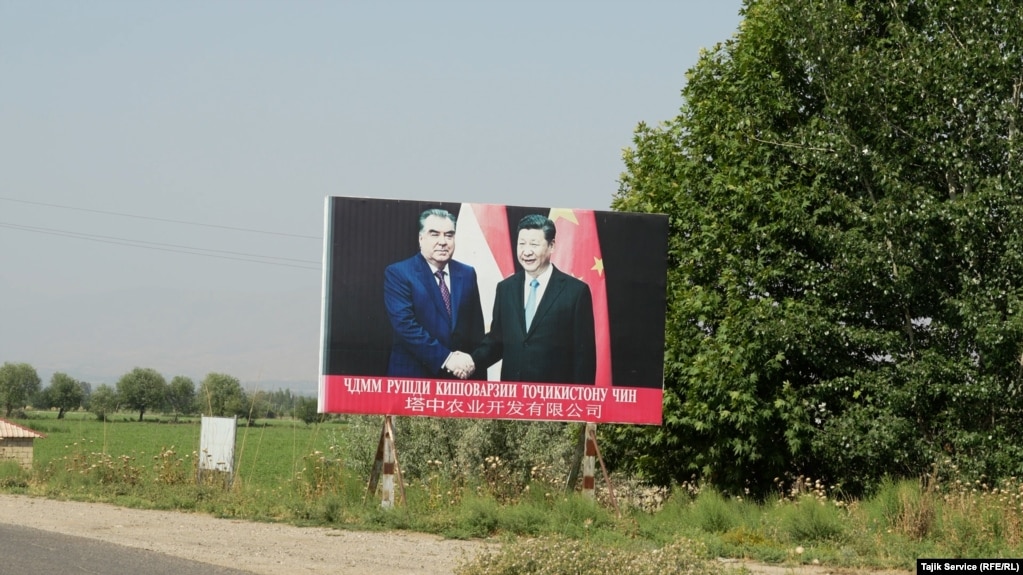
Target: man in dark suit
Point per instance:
(542, 326)
(433, 303)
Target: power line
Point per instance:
(191, 250)
(121, 214)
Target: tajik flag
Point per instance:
(577, 252)
(481, 240)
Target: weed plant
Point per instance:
(558, 555)
(13, 477)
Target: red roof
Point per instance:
(8, 429)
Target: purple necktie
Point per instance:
(444, 293)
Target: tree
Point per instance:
(282, 401)
(141, 389)
(65, 393)
(846, 255)
(306, 410)
(221, 395)
(181, 395)
(86, 393)
(103, 401)
(19, 382)
(257, 404)
(41, 400)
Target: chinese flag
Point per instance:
(577, 252)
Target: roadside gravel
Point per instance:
(263, 548)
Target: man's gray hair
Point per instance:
(435, 212)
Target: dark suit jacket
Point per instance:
(424, 335)
(560, 345)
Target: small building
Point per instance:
(17, 443)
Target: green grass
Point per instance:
(554, 555)
(316, 475)
(267, 455)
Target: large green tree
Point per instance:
(181, 395)
(19, 382)
(222, 395)
(306, 410)
(142, 388)
(65, 393)
(103, 401)
(846, 255)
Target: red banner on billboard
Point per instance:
(491, 400)
(490, 311)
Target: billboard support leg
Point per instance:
(591, 456)
(385, 467)
(397, 468)
(589, 461)
(577, 460)
(378, 463)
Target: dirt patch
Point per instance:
(279, 549)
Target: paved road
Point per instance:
(27, 551)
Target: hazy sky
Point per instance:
(163, 165)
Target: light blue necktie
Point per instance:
(531, 302)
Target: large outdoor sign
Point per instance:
(430, 308)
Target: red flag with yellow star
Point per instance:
(577, 252)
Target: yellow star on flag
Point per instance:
(563, 213)
(598, 265)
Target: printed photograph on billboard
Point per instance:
(489, 311)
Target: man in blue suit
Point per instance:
(433, 303)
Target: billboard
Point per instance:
(430, 309)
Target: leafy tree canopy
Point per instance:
(181, 395)
(18, 383)
(65, 393)
(103, 401)
(306, 410)
(142, 388)
(221, 395)
(846, 255)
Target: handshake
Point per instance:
(460, 364)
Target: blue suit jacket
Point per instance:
(424, 334)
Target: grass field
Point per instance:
(267, 455)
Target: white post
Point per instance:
(387, 482)
(590, 461)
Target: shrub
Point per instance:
(322, 474)
(480, 516)
(711, 512)
(810, 519)
(904, 508)
(13, 476)
(576, 515)
(556, 555)
(170, 469)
